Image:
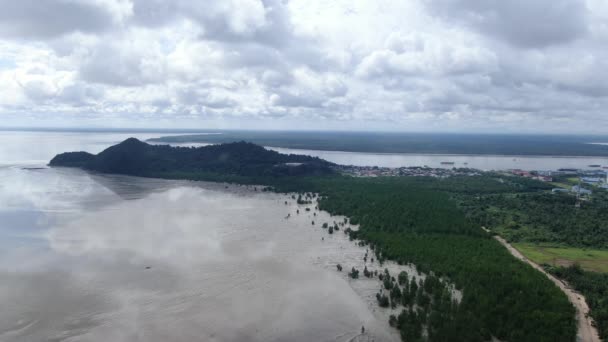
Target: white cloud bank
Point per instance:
(460, 65)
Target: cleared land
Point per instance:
(589, 259)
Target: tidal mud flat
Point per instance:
(124, 258)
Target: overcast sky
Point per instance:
(408, 65)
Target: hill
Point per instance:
(137, 158)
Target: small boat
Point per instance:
(595, 165)
(447, 163)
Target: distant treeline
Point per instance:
(406, 219)
(431, 143)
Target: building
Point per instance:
(519, 172)
(581, 190)
(591, 180)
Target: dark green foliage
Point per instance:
(402, 278)
(72, 159)
(354, 273)
(594, 286)
(392, 321)
(383, 300)
(133, 157)
(388, 284)
(410, 325)
(396, 294)
(414, 286)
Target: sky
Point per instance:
(408, 65)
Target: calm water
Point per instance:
(113, 258)
(481, 162)
(434, 160)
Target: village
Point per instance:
(566, 180)
(376, 171)
(576, 181)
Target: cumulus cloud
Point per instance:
(523, 23)
(418, 54)
(124, 63)
(265, 21)
(31, 19)
(406, 65)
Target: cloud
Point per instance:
(31, 19)
(523, 23)
(483, 65)
(418, 54)
(263, 21)
(124, 63)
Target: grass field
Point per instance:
(561, 185)
(589, 259)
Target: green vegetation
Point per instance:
(589, 259)
(594, 286)
(550, 229)
(409, 220)
(414, 220)
(426, 303)
(542, 217)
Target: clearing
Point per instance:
(590, 259)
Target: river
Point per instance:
(481, 162)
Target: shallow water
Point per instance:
(160, 260)
(87, 257)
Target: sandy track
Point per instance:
(586, 330)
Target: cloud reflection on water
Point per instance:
(224, 265)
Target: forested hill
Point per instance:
(242, 159)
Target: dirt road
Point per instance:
(586, 331)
